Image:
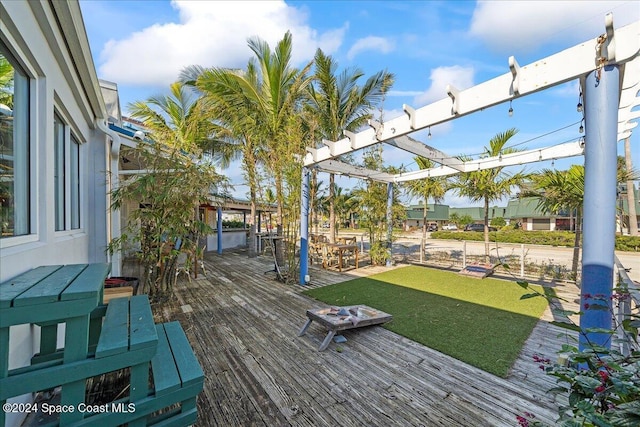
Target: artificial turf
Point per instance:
(482, 322)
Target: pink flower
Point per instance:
(600, 389)
(604, 376)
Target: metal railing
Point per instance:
(628, 306)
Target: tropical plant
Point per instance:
(600, 383)
(561, 191)
(372, 200)
(564, 191)
(339, 104)
(490, 184)
(232, 109)
(177, 180)
(427, 188)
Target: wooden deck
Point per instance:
(243, 326)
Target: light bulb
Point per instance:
(579, 107)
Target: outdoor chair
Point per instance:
(183, 265)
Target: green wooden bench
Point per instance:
(47, 296)
(177, 379)
(98, 339)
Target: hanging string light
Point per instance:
(579, 106)
(429, 134)
(581, 128)
(510, 109)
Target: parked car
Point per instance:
(432, 227)
(450, 227)
(478, 227)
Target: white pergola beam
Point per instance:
(551, 71)
(341, 168)
(569, 149)
(413, 146)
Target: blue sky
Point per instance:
(143, 45)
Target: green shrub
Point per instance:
(550, 238)
(628, 243)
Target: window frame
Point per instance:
(22, 151)
(68, 187)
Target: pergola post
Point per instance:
(601, 95)
(389, 223)
(304, 227)
(219, 230)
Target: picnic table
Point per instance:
(98, 339)
(342, 251)
(342, 318)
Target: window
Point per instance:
(75, 182)
(14, 148)
(66, 178)
(58, 179)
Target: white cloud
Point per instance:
(457, 76)
(371, 43)
(210, 34)
(522, 26)
(403, 92)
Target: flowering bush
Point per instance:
(602, 385)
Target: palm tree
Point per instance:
(562, 190)
(426, 188)
(340, 104)
(257, 108)
(490, 184)
(224, 95)
(276, 97)
(178, 180)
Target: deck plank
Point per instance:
(244, 327)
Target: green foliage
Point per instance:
(232, 224)
(379, 253)
(628, 243)
(481, 322)
(498, 222)
(337, 103)
(372, 201)
(489, 185)
(602, 385)
(170, 193)
(551, 238)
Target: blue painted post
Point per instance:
(219, 230)
(389, 222)
(304, 228)
(601, 95)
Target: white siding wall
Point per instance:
(31, 35)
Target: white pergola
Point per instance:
(608, 68)
(619, 47)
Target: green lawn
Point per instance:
(481, 322)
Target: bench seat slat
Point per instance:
(14, 287)
(165, 374)
(186, 361)
(143, 332)
(114, 338)
(49, 288)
